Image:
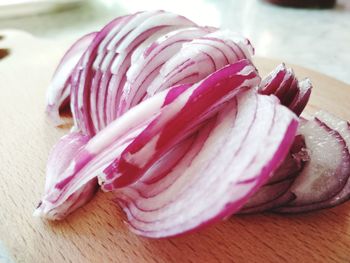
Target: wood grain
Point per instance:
(97, 232)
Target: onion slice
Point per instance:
(282, 83)
(60, 157)
(275, 192)
(294, 162)
(302, 97)
(58, 92)
(325, 177)
(143, 71)
(82, 78)
(248, 140)
(91, 91)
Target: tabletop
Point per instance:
(314, 38)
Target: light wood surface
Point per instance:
(97, 232)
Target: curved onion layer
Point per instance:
(59, 89)
(302, 97)
(80, 76)
(293, 163)
(249, 139)
(143, 71)
(329, 157)
(282, 83)
(200, 57)
(60, 157)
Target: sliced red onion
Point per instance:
(115, 82)
(329, 158)
(119, 62)
(143, 71)
(80, 167)
(58, 92)
(293, 163)
(231, 44)
(129, 90)
(325, 176)
(275, 191)
(169, 160)
(336, 124)
(60, 157)
(250, 138)
(200, 57)
(80, 76)
(343, 127)
(150, 185)
(166, 112)
(100, 66)
(273, 81)
(133, 32)
(108, 144)
(177, 120)
(282, 83)
(302, 97)
(153, 27)
(87, 79)
(158, 19)
(315, 187)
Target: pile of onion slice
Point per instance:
(175, 120)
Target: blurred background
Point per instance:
(317, 38)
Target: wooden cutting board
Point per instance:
(97, 232)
